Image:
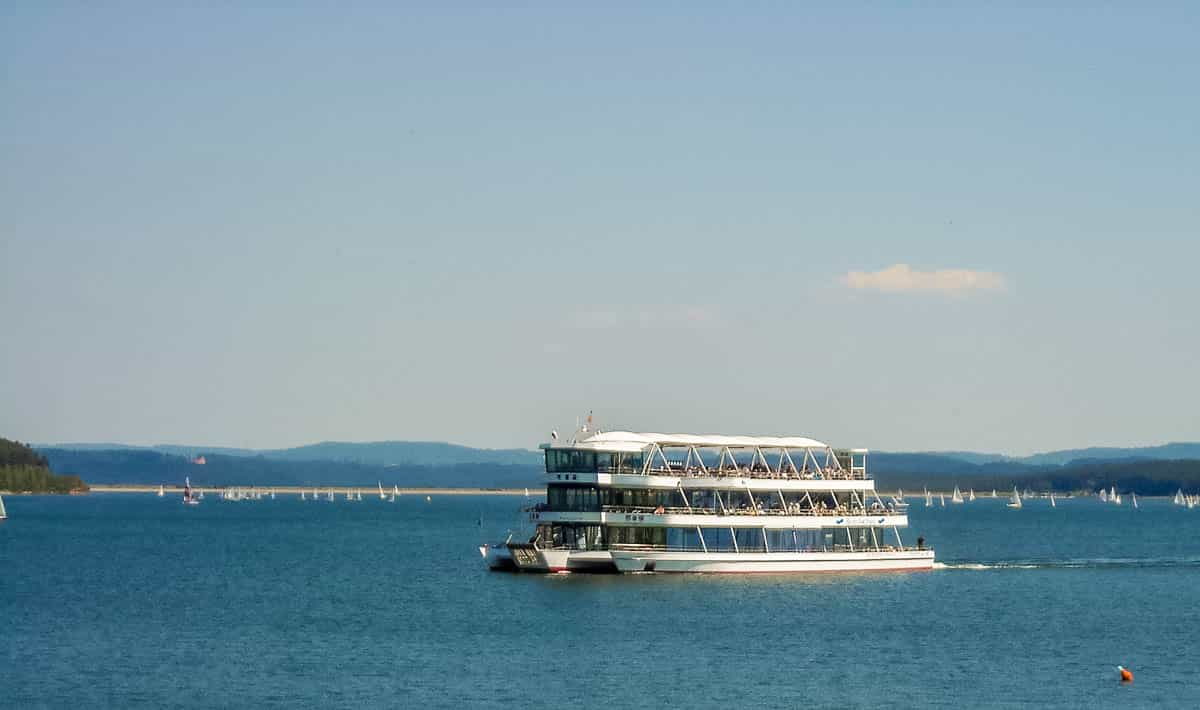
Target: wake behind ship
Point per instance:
(646, 502)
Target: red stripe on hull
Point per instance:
(797, 571)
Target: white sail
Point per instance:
(1103, 496)
(942, 499)
(3, 512)
(1052, 503)
(971, 495)
(1133, 498)
(957, 496)
(1015, 501)
(161, 491)
(302, 496)
(928, 498)
(1178, 499)
(395, 490)
(381, 495)
(900, 494)
(993, 492)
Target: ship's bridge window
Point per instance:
(570, 461)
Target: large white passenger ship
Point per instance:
(644, 502)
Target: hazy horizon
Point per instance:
(909, 229)
(205, 448)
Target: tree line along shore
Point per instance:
(23, 470)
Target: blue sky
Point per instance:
(250, 227)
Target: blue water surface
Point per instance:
(125, 600)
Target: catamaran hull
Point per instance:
(628, 561)
(577, 560)
(528, 558)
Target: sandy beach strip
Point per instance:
(297, 490)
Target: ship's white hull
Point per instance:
(629, 561)
(526, 557)
(577, 560)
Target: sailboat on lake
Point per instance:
(3, 512)
(161, 491)
(188, 498)
(957, 496)
(1015, 501)
(928, 498)
(1052, 503)
(971, 496)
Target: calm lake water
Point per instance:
(135, 601)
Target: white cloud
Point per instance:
(901, 278)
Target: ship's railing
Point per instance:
(794, 509)
(825, 474)
(632, 547)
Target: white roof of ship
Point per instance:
(635, 441)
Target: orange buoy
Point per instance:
(1126, 676)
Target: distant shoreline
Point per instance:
(374, 490)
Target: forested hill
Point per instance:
(23, 470)
(1144, 477)
(152, 467)
(891, 471)
(377, 453)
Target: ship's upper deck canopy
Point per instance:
(635, 441)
